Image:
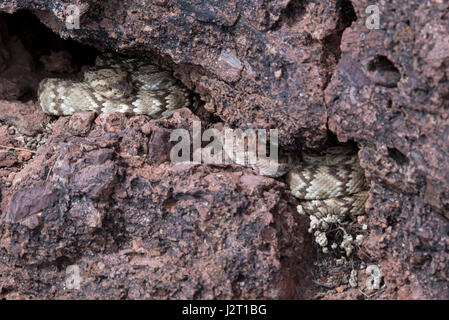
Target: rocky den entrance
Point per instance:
(91, 206)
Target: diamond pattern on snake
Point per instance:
(328, 183)
(115, 84)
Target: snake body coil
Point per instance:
(130, 86)
(330, 182)
(326, 183)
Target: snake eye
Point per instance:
(118, 89)
(109, 82)
(118, 86)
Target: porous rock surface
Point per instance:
(136, 228)
(271, 59)
(255, 64)
(390, 93)
(99, 212)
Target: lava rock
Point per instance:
(97, 207)
(389, 94)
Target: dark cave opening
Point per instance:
(29, 52)
(382, 63)
(40, 40)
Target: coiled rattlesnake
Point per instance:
(327, 182)
(131, 86)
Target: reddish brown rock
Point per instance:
(31, 200)
(389, 94)
(143, 229)
(7, 155)
(255, 65)
(58, 61)
(28, 118)
(410, 239)
(17, 78)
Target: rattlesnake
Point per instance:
(131, 86)
(327, 182)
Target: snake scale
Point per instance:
(115, 84)
(328, 182)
